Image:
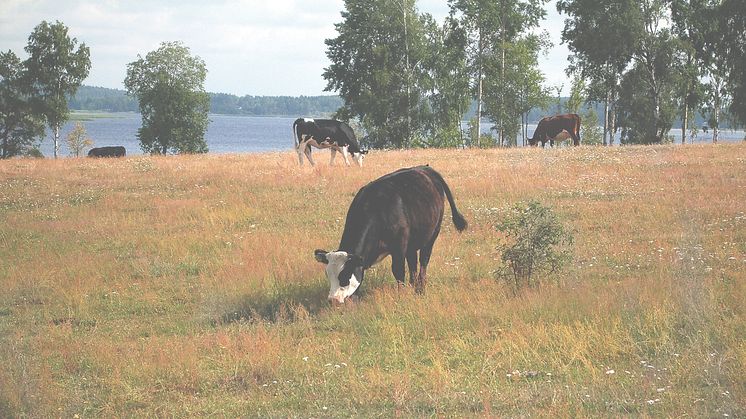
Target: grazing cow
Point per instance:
(398, 214)
(114, 151)
(551, 127)
(326, 133)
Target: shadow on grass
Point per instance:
(284, 300)
(279, 304)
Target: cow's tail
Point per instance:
(295, 133)
(458, 220)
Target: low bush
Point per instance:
(537, 243)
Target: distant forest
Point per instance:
(90, 98)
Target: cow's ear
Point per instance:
(320, 256)
(354, 260)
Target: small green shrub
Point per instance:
(537, 242)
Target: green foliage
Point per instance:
(78, 140)
(577, 95)
(55, 69)
(169, 85)
(729, 44)
(375, 67)
(91, 98)
(20, 127)
(315, 106)
(652, 60)
(448, 84)
(591, 133)
(504, 56)
(538, 242)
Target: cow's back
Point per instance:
(406, 202)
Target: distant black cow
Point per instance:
(114, 151)
(326, 133)
(398, 214)
(552, 127)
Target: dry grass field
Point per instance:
(186, 286)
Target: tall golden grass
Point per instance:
(186, 286)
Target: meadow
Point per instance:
(186, 286)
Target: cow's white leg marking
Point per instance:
(299, 149)
(344, 154)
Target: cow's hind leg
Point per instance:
(397, 267)
(412, 265)
(425, 254)
(308, 154)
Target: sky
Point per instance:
(250, 47)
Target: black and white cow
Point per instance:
(398, 214)
(326, 133)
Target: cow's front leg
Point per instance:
(334, 154)
(344, 154)
(299, 149)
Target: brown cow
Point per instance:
(552, 126)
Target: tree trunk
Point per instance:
(685, 116)
(606, 118)
(612, 123)
(716, 128)
(718, 82)
(479, 90)
(56, 140)
(501, 134)
(409, 78)
(658, 138)
(684, 122)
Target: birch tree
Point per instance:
(56, 67)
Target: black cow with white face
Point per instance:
(398, 214)
(326, 133)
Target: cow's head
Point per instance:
(533, 142)
(344, 272)
(359, 157)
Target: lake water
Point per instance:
(225, 134)
(242, 134)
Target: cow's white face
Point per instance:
(340, 270)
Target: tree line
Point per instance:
(408, 79)
(34, 92)
(92, 98)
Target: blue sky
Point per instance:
(251, 47)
